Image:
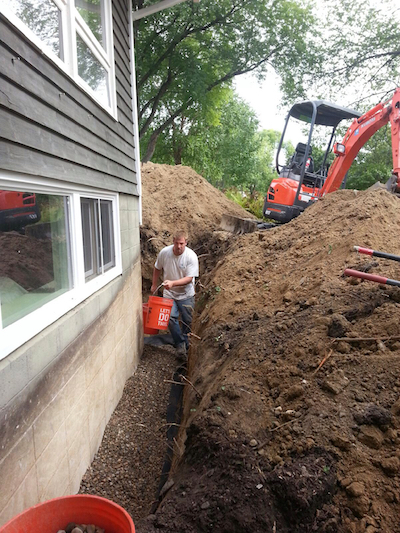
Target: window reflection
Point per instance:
(35, 259)
(43, 18)
(92, 12)
(91, 71)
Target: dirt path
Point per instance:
(128, 464)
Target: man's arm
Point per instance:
(156, 276)
(168, 284)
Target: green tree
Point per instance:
(265, 170)
(229, 150)
(373, 163)
(361, 51)
(187, 54)
(174, 140)
(228, 153)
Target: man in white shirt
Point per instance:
(180, 266)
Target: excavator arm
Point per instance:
(359, 132)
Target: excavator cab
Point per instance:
(297, 160)
(299, 183)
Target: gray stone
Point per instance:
(335, 382)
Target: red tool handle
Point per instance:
(368, 251)
(362, 250)
(371, 277)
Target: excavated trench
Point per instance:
(217, 485)
(113, 473)
(291, 420)
(209, 249)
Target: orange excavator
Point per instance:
(299, 184)
(17, 210)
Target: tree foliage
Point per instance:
(346, 51)
(186, 55)
(229, 152)
(373, 163)
(361, 50)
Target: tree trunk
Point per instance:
(150, 147)
(178, 156)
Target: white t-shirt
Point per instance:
(176, 267)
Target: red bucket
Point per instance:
(159, 312)
(146, 329)
(53, 515)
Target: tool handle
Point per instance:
(371, 277)
(368, 251)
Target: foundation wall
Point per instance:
(58, 391)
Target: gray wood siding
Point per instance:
(50, 127)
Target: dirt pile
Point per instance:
(25, 260)
(292, 417)
(176, 197)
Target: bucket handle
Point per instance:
(159, 287)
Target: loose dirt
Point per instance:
(128, 464)
(25, 260)
(292, 415)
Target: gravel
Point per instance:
(128, 464)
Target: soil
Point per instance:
(291, 418)
(128, 464)
(25, 260)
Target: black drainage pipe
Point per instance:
(174, 416)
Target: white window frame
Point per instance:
(98, 267)
(19, 332)
(72, 23)
(102, 224)
(90, 272)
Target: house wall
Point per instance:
(51, 128)
(58, 390)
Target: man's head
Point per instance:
(180, 242)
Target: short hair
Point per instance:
(179, 234)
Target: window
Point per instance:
(97, 232)
(93, 13)
(92, 71)
(80, 44)
(43, 18)
(35, 259)
(57, 247)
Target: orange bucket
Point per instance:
(159, 312)
(146, 329)
(55, 514)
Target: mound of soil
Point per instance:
(173, 198)
(26, 260)
(292, 414)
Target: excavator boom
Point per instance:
(359, 132)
